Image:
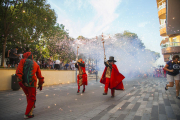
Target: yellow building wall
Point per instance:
(170, 39)
(177, 39)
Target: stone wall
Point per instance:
(52, 77)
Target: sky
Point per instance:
(91, 18)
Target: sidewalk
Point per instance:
(143, 99)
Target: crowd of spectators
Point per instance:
(91, 68)
(159, 71)
(56, 64)
(13, 58)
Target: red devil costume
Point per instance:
(26, 73)
(111, 77)
(82, 76)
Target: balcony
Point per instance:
(162, 26)
(162, 6)
(160, 1)
(162, 11)
(165, 40)
(170, 44)
(170, 48)
(163, 30)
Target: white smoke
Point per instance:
(132, 59)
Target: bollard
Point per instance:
(14, 83)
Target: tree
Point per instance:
(59, 43)
(23, 23)
(130, 37)
(81, 37)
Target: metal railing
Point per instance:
(170, 44)
(162, 6)
(162, 26)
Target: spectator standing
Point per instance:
(20, 56)
(72, 64)
(46, 63)
(61, 64)
(50, 63)
(53, 64)
(38, 62)
(42, 63)
(13, 56)
(66, 66)
(57, 65)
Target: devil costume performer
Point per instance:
(26, 74)
(82, 76)
(111, 77)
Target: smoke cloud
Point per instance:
(130, 53)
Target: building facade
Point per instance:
(169, 19)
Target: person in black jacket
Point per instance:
(13, 56)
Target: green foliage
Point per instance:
(33, 24)
(59, 42)
(127, 34)
(29, 24)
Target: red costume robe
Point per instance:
(82, 75)
(115, 80)
(26, 73)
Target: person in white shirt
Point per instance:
(20, 56)
(72, 64)
(57, 65)
(38, 62)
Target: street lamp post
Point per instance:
(96, 70)
(76, 61)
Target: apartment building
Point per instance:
(169, 19)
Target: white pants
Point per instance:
(171, 78)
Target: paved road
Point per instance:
(143, 99)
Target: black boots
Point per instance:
(78, 91)
(104, 93)
(83, 90)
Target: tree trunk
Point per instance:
(3, 52)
